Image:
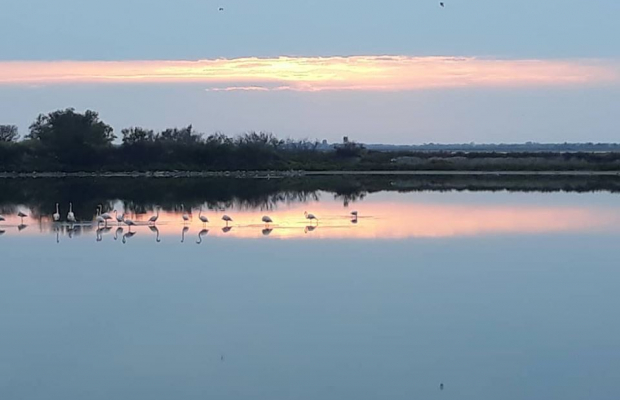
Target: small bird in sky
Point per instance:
(442, 4)
(221, 8)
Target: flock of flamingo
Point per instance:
(102, 220)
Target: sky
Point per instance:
(390, 71)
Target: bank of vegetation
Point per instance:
(68, 141)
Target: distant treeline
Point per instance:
(68, 141)
(501, 147)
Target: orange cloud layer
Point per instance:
(382, 73)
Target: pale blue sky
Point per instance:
(194, 29)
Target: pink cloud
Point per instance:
(369, 73)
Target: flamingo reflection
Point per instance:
(155, 230)
(183, 232)
(309, 228)
(2, 232)
(128, 235)
(200, 234)
(99, 235)
(227, 229)
(118, 230)
(21, 227)
(267, 231)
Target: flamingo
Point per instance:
(267, 220)
(311, 217)
(200, 234)
(354, 214)
(119, 218)
(21, 215)
(227, 219)
(154, 218)
(56, 215)
(100, 220)
(70, 215)
(106, 216)
(185, 215)
(129, 223)
(201, 217)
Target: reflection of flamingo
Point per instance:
(227, 219)
(201, 217)
(354, 220)
(56, 215)
(154, 218)
(185, 216)
(118, 230)
(267, 231)
(120, 218)
(99, 236)
(21, 227)
(311, 217)
(154, 229)
(129, 223)
(309, 228)
(267, 220)
(128, 235)
(226, 229)
(2, 218)
(22, 216)
(202, 232)
(70, 215)
(2, 232)
(183, 232)
(57, 236)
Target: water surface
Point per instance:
(494, 294)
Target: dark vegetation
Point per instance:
(67, 141)
(142, 195)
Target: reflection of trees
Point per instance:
(143, 195)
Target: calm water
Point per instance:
(496, 295)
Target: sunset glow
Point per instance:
(378, 220)
(370, 73)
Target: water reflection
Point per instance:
(381, 215)
(202, 233)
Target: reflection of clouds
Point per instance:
(312, 74)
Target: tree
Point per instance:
(71, 138)
(137, 135)
(8, 133)
(185, 135)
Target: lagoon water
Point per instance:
(496, 295)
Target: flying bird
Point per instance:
(442, 4)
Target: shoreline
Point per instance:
(295, 174)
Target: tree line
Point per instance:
(66, 140)
(69, 141)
